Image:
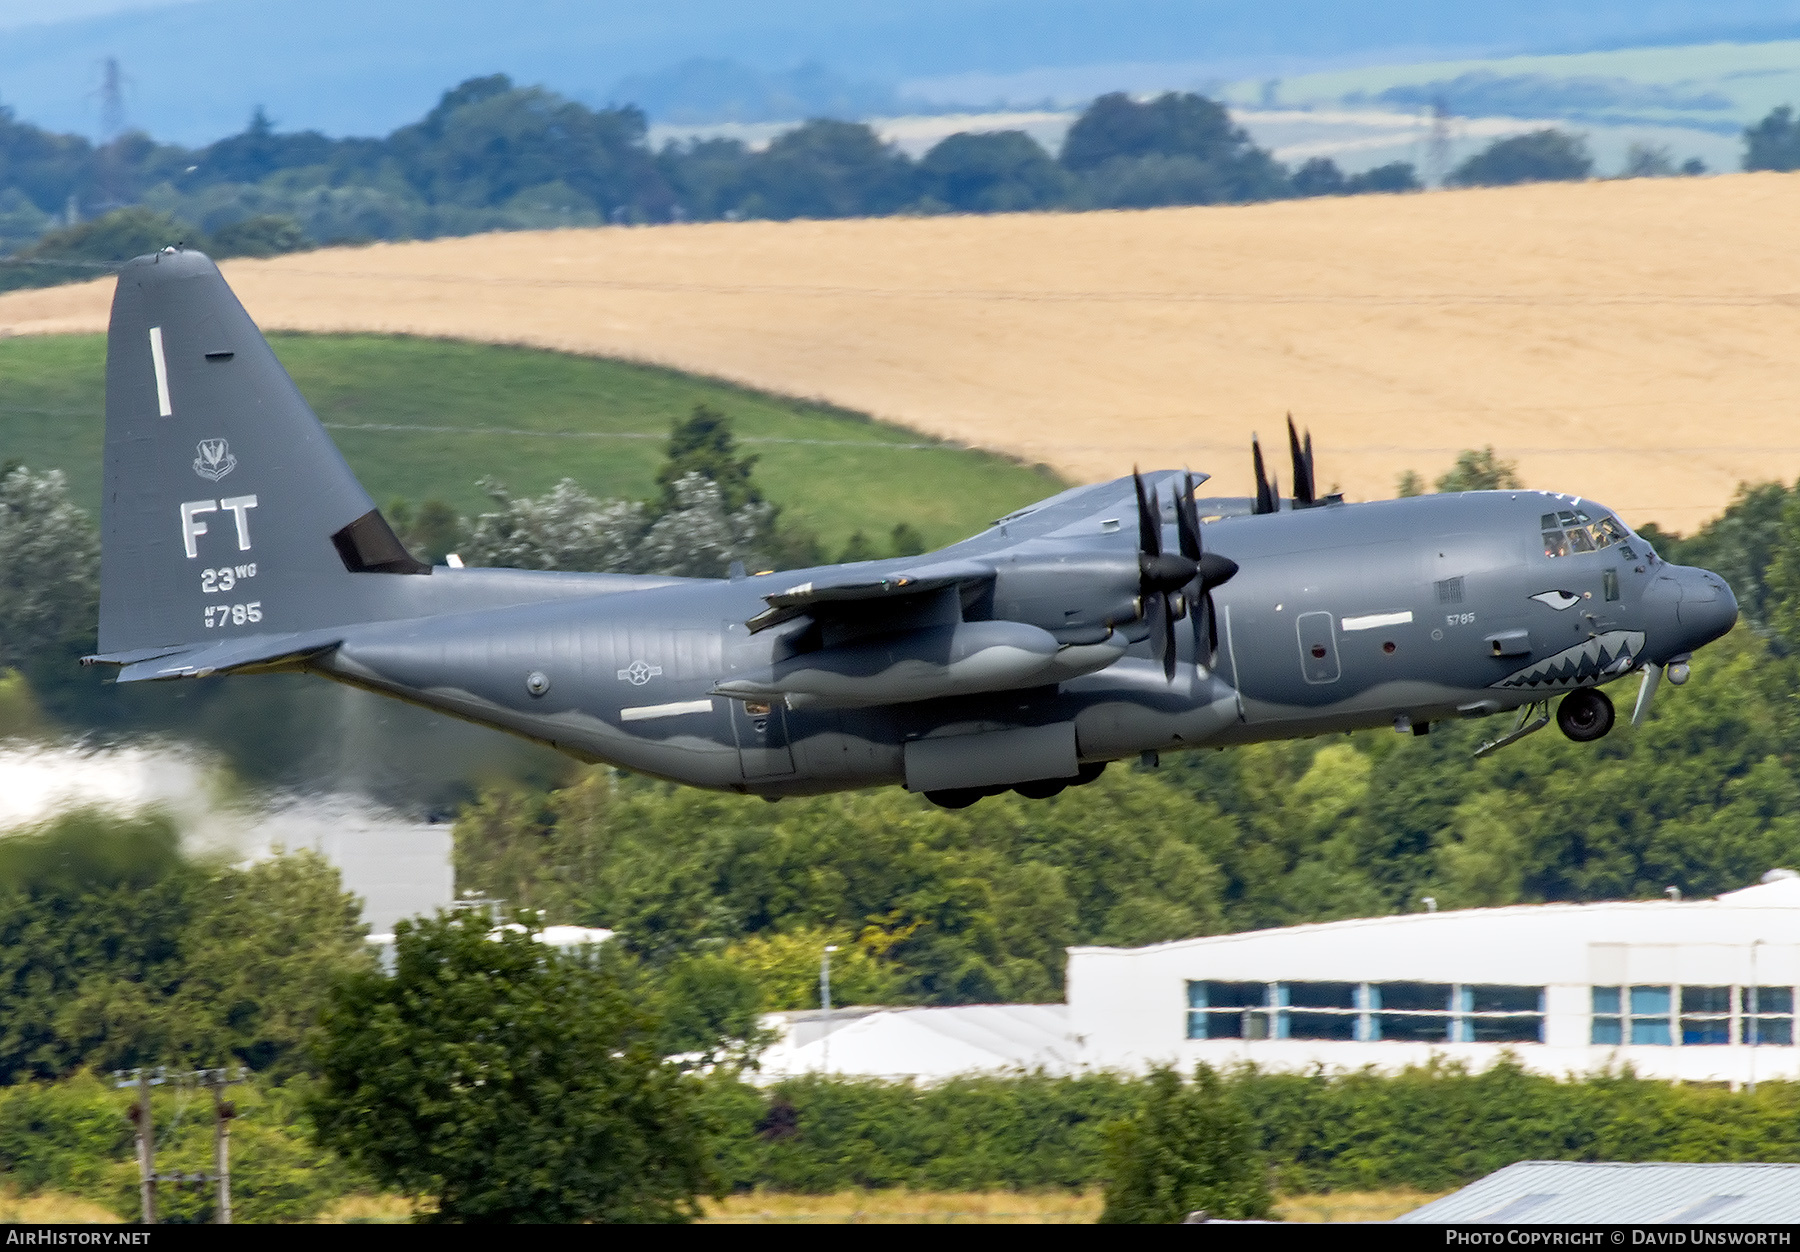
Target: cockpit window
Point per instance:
(1570, 531)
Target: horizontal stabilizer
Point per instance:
(201, 660)
(816, 597)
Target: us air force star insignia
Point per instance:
(215, 459)
(638, 673)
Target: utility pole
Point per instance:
(215, 1080)
(825, 1001)
(223, 1111)
(146, 1147)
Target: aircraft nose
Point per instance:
(1706, 610)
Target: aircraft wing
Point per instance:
(225, 656)
(817, 597)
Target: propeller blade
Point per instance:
(1303, 470)
(1149, 519)
(1169, 645)
(1646, 693)
(1212, 631)
(1187, 520)
(1267, 501)
(1162, 630)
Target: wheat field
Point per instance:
(1629, 340)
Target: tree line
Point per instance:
(487, 1077)
(492, 155)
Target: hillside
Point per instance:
(422, 418)
(1630, 341)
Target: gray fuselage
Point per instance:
(1340, 617)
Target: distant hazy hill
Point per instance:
(350, 67)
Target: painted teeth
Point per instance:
(1586, 662)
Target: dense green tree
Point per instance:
(115, 950)
(508, 1082)
(265, 234)
(997, 172)
(1774, 142)
(1172, 124)
(1740, 545)
(1479, 470)
(259, 151)
(488, 141)
(708, 176)
(1393, 177)
(906, 540)
(1547, 155)
(49, 571)
(703, 444)
(21, 221)
(828, 169)
(92, 249)
(430, 532)
(1178, 148)
(1319, 176)
(1190, 1147)
(858, 548)
(957, 908)
(709, 1008)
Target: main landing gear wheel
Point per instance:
(1041, 789)
(960, 798)
(1585, 715)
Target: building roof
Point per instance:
(934, 1044)
(1525, 943)
(1533, 1192)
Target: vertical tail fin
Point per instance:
(227, 509)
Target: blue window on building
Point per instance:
(1650, 1015)
(1227, 1010)
(1418, 1012)
(1768, 1015)
(1705, 1016)
(1606, 1028)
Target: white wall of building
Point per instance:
(1130, 1007)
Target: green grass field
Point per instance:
(418, 418)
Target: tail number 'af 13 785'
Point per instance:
(233, 614)
(192, 527)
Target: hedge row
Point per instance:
(1431, 1128)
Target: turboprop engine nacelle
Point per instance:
(961, 660)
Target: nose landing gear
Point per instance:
(1585, 715)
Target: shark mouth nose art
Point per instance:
(1604, 656)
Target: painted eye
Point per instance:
(1558, 600)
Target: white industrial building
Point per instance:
(1698, 990)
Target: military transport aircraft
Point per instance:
(1118, 620)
